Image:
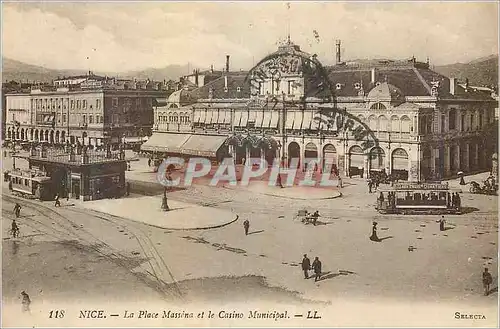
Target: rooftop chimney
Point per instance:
(227, 63)
(225, 83)
(453, 86)
(337, 52)
(212, 68)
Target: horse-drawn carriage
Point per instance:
(306, 217)
(489, 187)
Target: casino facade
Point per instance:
(361, 118)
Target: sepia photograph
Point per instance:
(249, 164)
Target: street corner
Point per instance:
(148, 210)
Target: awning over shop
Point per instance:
(165, 142)
(203, 145)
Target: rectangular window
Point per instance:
(64, 118)
(443, 122)
(84, 119)
(84, 104)
(115, 101)
(78, 104)
(72, 104)
(261, 90)
(98, 104)
(480, 120)
(452, 119)
(290, 87)
(462, 122)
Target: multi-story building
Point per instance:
(93, 112)
(394, 116)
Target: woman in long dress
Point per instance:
(374, 236)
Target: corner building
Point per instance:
(421, 125)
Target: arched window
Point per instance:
(372, 122)
(395, 124)
(170, 118)
(405, 124)
(378, 106)
(382, 123)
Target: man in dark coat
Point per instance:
(306, 266)
(441, 224)
(246, 226)
(15, 229)
(317, 269)
(57, 202)
(487, 280)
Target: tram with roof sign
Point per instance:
(419, 198)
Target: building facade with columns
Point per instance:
(394, 116)
(92, 113)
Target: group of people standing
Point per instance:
(455, 200)
(316, 267)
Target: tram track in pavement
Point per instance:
(113, 254)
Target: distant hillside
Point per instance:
(171, 72)
(482, 71)
(19, 71)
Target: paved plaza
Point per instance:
(133, 239)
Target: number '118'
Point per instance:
(58, 314)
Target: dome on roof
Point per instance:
(385, 92)
(180, 98)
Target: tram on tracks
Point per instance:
(417, 198)
(30, 184)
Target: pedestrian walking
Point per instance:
(370, 186)
(128, 188)
(57, 203)
(26, 301)
(441, 224)
(374, 236)
(149, 162)
(17, 210)
(14, 229)
(487, 280)
(306, 266)
(67, 194)
(246, 225)
(317, 269)
(339, 185)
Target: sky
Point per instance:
(116, 37)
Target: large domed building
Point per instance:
(360, 118)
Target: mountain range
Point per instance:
(480, 72)
(20, 71)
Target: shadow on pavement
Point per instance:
(256, 232)
(468, 210)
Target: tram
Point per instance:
(32, 184)
(417, 198)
